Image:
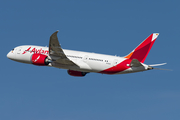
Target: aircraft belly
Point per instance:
(97, 67)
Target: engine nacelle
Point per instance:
(39, 59)
(76, 73)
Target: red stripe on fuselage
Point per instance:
(118, 68)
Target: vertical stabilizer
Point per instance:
(140, 52)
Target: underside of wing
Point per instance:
(56, 52)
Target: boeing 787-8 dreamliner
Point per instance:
(80, 63)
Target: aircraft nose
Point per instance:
(10, 55)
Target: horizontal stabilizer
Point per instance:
(158, 64)
(152, 67)
(135, 63)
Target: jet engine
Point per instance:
(76, 73)
(40, 59)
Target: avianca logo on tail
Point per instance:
(34, 50)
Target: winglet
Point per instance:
(140, 52)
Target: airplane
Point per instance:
(80, 63)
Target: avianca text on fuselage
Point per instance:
(35, 50)
(80, 63)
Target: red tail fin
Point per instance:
(140, 52)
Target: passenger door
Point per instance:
(115, 62)
(85, 59)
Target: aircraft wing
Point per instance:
(56, 52)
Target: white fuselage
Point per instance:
(86, 62)
(80, 63)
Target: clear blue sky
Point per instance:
(115, 27)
